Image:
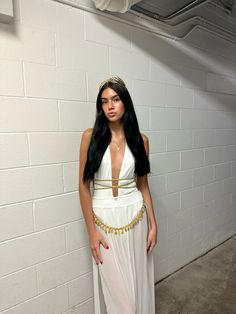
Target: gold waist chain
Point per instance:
(125, 228)
(101, 184)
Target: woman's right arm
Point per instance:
(95, 237)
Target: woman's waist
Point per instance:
(117, 183)
(106, 200)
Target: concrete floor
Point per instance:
(206, 286)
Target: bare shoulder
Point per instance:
(88, 133)
(85, 140)
(145, 142)
(145, 138)
(86, 136)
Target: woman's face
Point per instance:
(112, 105)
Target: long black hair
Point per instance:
(101, 135)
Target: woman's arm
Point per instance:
(95, 237)
(142, 183)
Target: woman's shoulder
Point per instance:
(145, 142)
(86, 136)
(145, 138)
(87, 133)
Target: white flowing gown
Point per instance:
(126, 275)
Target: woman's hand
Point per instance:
(95, 240)
(151, 239)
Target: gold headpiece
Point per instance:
(115, 80)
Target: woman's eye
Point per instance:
(116, 99)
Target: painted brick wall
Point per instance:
(51, 62)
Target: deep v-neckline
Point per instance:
(120, 171)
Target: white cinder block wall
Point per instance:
(51, 61)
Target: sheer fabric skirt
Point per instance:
(126, 277)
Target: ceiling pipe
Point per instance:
(194, 21)
(177, 13)
(120, 6)
(186, 8)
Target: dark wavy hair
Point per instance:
(101, 135)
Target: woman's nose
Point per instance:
(110, 104)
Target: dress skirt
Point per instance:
(126, 276)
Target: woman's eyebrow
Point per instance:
(111, 96)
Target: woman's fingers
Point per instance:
(96, 250)
(95, 256)
(151, 242)
(104, 243)
(148, 243)
(149, 246)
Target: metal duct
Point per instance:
(180, 18)
(177, 12)
(120, 6)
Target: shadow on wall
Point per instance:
(202, 61)
(211, 58)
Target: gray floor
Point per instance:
(206, 286)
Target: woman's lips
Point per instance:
(111, 114)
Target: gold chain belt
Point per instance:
(100, 183)
(125, 228)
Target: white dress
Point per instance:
(126, 275)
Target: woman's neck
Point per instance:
(117, 130)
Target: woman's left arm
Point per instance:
(142, 183)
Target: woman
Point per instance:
(119, 213)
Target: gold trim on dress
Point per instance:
(120, 179)
(103, 186)
(125, 228)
